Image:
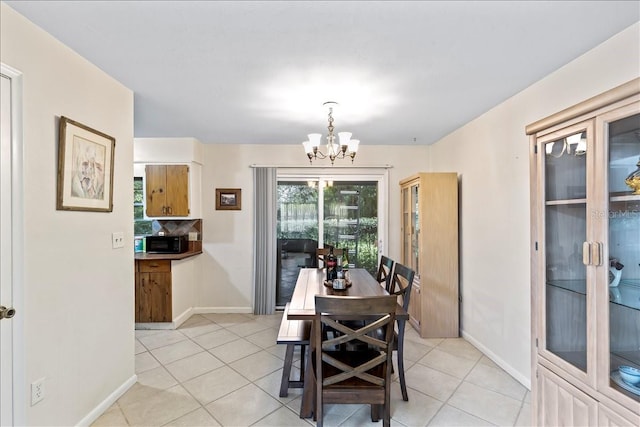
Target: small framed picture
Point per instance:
(229, 199)
(85, 168)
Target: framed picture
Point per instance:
(228, 199)
(85, 168)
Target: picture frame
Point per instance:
(85, 168)
(228, 199)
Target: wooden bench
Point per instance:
(293, 333)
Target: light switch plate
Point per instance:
(117, 240)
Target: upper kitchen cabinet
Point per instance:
(585, 256)
(172, 172)
(167, 190)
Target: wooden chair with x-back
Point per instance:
(362, 375)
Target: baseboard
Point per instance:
(106, 404)
(224, 310)
(498, 361)
(177, 321)
(155, 325)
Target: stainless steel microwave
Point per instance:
(167, 244)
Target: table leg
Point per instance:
(308, 390)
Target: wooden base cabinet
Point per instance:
(153, 291)
(585, 253)
(429, 220)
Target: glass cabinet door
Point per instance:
(564, 204)
(414, 263)
(623, 265)
(406, 227)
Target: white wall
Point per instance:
(491, 155)
(228, 235)
(78, 292)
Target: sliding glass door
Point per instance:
(340, 212)
(297, 231)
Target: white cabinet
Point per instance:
(586, 259)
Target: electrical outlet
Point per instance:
(37, 391)
(117, 240)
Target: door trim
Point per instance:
(17, 246)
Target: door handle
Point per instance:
(596, 256)
(7, 313)
(586, 253)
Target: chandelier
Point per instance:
(346, 148)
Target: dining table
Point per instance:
(311, 282)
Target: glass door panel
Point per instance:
(351, 221)
(624, 247)
(415, 229)
(297, 231)
(565, 231)
(406, 229)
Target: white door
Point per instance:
(6, 286)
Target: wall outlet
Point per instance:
(117, 240)
(37, 391)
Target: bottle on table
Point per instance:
(331, 262)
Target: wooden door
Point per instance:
(153, 291)
(156, 177)
(177, 189)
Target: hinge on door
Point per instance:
(536, 342)
(536, 246)
(535, 149)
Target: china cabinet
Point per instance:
(429, 221)
(585, 261)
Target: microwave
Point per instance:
(167, 244)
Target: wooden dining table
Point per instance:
(302, 307)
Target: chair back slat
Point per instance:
(321, 253)
(401, 283)
(385, 269)
(335, 312)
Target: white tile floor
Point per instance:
(225, 369)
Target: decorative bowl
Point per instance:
(630, 374)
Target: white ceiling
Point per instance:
(258, 72)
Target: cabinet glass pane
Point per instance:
(415, 227)
(565, 232)
(406, 225)
(624, 246)
(565, 168)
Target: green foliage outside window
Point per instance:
(298, 217)
(141, 226)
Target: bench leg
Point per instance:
(286, 371)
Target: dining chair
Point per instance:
(401, 283)
(384, 272)
(362, 375)
(321, 253)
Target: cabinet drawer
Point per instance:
(154, 266)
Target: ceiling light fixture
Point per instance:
(347, 148)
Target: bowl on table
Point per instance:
(630, 375)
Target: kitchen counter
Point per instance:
(142, 256)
